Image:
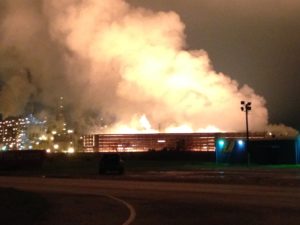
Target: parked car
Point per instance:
(111, 163)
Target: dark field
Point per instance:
(175, 168)
(87, 163)
(19, 207)
(240, 194)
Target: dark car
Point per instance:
(111, 163)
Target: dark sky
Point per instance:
(254, 42)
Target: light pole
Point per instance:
(246, 107)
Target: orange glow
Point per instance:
(142, 125)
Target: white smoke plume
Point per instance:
(281, 131)
(126, 68)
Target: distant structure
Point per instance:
(63, 138)
(60, 121)
(29, 133)
(223, 147)
(16, 132)
(200, 142)
(11, 131)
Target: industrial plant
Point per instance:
(30, 133)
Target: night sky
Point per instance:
(254, 42)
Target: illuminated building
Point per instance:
(226, 147)
(61, 138)
(13, 132)
(25, 133)
(158, 141)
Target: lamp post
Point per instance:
(246, 107)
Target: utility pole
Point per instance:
(246, 107)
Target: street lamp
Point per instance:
(246, 107)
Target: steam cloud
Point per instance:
(116, 65)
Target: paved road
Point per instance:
(165, 203)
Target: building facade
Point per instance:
(158, 141)
(12, 132)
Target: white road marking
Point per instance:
(132, 213)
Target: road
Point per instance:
(181, 203)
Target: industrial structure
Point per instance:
(16, 132)
(28, 132)
(225, 147)
(56, 136)
(200, 142)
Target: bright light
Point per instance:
(54, 132)
(56, 146)
(161, 141)
(241, 143)
(179, 129)
(43, 138)
(145, 123)
(209, 129)
(71, 150)
(48, 150)
(221, 143)
(70, 131)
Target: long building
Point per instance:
(158, 141)
(262, 148)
